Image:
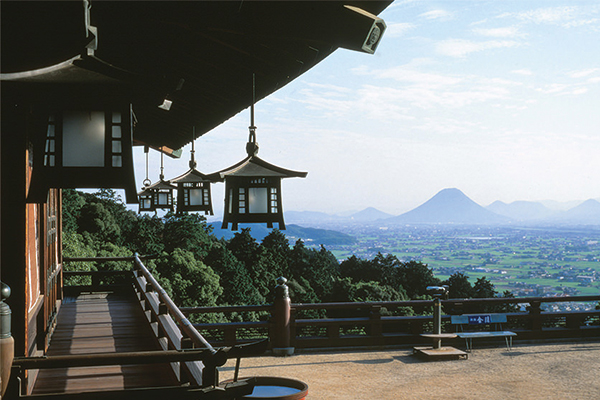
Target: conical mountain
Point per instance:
(449, 206)
(369, 214)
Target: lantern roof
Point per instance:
(254, 166)
(161, 184)
(191, 176)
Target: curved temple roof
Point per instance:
(198, 55)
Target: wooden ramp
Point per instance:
(102, 323)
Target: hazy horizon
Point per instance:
(497, 99)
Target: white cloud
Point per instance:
(442, 15)
(580, 91)
(408, 74)
(554, 88)
(582, 22)
(398, 29)
(594, 80)
(523, 71)
(509, 31)
(329, 87)
(549, 15)
(462, 47)
(565, 16)
(583, 73)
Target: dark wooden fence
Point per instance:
(339, 325)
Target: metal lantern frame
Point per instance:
(83, 146)
(253, 187)
(253, 192)
(193, 188)
(193, 192)
(156, 196)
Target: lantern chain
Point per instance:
(252, 145)
(193, 160)
(147, 181)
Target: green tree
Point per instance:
(259, 264)
(319, 267)
(96, 219)
(124, 218)
(459, 286)
(483, 289)
(71, 209)
(146, 237)
(187, 231)
(193, 283)
(359, 270)
(236, 282)
(74, 245)
(415, 277)
(244, 247)
(277, 248)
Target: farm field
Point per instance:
(526, 261)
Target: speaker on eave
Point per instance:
(362, 30)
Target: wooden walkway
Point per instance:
(102, 323)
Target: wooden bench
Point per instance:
(494, 321)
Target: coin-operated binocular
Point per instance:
(438, 292)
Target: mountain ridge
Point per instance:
(452, 206)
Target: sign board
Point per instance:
(480, 319)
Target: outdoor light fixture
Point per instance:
(156, 196)
(193, 189)
(253, 187)
(363, 31)
(83, 148)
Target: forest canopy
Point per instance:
(198, 269)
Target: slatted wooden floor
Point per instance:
(102, 323)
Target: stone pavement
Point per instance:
(564, 370)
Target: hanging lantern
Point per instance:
(83, 148)
(253, 187)
(156, 196)
(193, 189)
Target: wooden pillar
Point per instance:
(535, 314)
(281, 320)
(12, 209)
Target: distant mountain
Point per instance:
(521, 210)
(293, 232)
(560, 205)
(449, 206)
(299, 217)
(586, 213)
(313, 217)
(369, 214)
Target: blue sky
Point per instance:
(500, 99)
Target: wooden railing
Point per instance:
(352, 324)
(193, 359)
(382, 323)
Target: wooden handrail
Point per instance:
(224, 309)
(375, 328)
(121, 358)
(105, 259)
(184, 324)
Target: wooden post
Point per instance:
(7, 343)
(281, 319)
(376, 327)
(535, 312)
